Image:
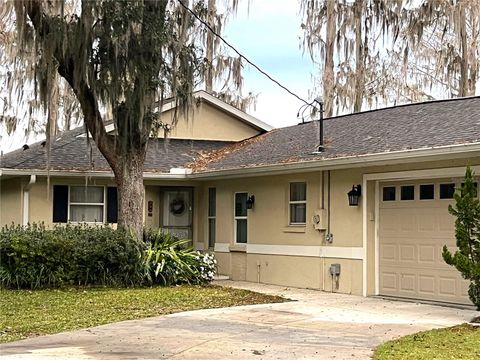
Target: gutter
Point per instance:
(90, 174)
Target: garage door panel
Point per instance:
(389, 281)
(447, 286)
(426, 284)
(427, 222)
(389, 222)
(408, 283)
(464, 288)
(388, 252)
(408, 221)
(411, 239)
(408, 253)
(426, 254)
(447, 224)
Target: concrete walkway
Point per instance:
(317, 325)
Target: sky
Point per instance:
(268, 33)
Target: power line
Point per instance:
(239, 54)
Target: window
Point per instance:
(447, 191)
(389, 193)
(212, 213)
(240, 217)
(407, 192)
(84, 204)
(298, 203)
(427, 192)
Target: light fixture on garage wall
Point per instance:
(354, 195)
(250, 201)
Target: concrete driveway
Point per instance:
(317, 325)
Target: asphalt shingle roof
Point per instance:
(71, 152)
(413, 126)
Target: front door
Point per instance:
(177, 211)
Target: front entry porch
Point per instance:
(171, 209)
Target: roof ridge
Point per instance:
(427, 102)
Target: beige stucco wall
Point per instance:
(267, 222)
(207, 122)
(268, 225)
(11, 200)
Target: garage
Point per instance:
(414, 224)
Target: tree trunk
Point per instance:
(209, 48)
(473, 59)
(463, 91)
(359, 58)
(129, 178)
(328, 74)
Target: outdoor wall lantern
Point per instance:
(250, 201)
(354, 195)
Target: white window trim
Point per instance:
(209, 217)
(290, 202)
(235, 218)
(104, 211)
(416, 194)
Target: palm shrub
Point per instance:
(169, 261)
(467, 233)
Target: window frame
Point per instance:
(235, 218)
(415, 192)
(296, 202)
(455, 187)
(434, 192)
(395, 187)
(212, 217)
(104, 207)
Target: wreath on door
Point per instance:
(177, 206)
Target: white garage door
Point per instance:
(414, 224)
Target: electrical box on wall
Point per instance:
(319, 219)
(335, 269)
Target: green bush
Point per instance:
(466, 259)
(34, 257)
(170, 261)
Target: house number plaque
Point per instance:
(150, 208)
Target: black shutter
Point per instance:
(60, 203)
(112, 205)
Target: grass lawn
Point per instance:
(26, 313)
(458, 342)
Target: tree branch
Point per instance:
(85, 95)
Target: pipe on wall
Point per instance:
(26, 199)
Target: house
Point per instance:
(274, 207)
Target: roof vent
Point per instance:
(319, 101)
(25, 147)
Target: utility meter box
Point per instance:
(319, 219)
(335, 269)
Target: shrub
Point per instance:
(34, 257)
(467, 233)
(169, 261)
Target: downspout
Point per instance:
(26, 200)
(323, 241)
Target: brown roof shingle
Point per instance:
(413, 126)
(71, 151)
